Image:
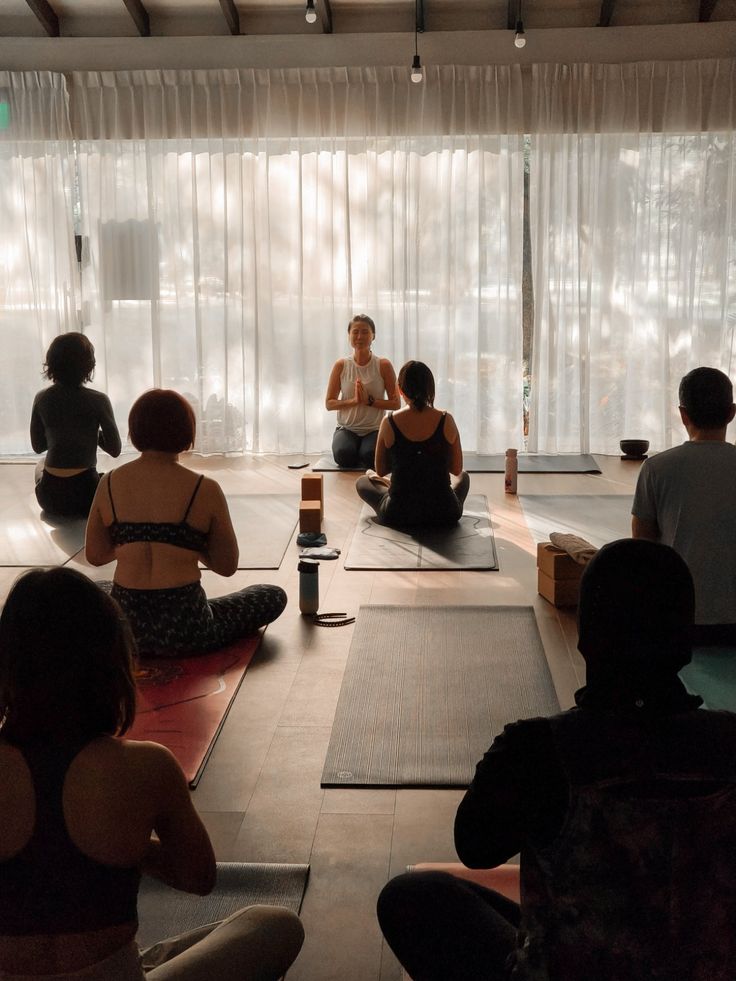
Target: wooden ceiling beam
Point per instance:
(140, 17)
(324, 10)
(46, 15)
(706, 10)
(606, 16)
(231, 15)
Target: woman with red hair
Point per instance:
(159, 520)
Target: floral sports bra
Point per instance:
(181, 534)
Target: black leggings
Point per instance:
(69, 497)
(351, 450)
(178, 621)
(443, 928)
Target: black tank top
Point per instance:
(420, 491)
(50, 886)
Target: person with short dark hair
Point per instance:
(622, 809)
(360, 389)
(159, 519)
(69, 422)
(83, 812)
(685, 498)
(419, 446)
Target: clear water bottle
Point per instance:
(511, 471)
(308, 585)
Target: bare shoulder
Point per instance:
(450, 429)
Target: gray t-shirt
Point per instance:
(690, 493)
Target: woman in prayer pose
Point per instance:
(159, 519)
(68, 423)
(360, 389)
(83, 813)
(420, 447)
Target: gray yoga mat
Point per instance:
(532, 463)
(467, 545)
(264, 524)
(599, 518)
(164, 912)
(496, 463)
(328, 464)
(426, 689)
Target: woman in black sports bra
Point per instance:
(79, 806)
(159, 520)
(420, 447)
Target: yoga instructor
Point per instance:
(360, 389)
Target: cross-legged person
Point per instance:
(159, 519)
(623, 811)
(419, 447)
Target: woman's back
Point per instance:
(420, 470)
(161, 519)
(76, 818)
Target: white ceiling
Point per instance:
(187, 18)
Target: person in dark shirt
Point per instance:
(84, 812)
(623, 810)
(420, 447)
(68, 423)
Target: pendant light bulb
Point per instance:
(311, 14)
(417, 73)
(520, 36)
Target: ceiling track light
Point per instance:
(417, 72)
(310, 15)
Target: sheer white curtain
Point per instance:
(235, 220)
(633, 208)
(38, 269)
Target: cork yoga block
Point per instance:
(556, 564)
(313, 490)
(310, 516)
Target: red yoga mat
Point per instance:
(183, 702)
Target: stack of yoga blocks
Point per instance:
(312, 505)
(558, 575)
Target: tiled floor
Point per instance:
(260, 795)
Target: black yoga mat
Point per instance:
(264, 524)
(426, 689)
(327, 463)
(532, 463)
(164, 912)
(467, 545)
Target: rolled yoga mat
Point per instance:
(426, 689)
(264, 524)
(164, 912)
(467, 545)
(183, 702)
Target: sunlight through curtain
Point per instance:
(38, 269)
(234, 221)
(633, 201)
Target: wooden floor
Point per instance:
(260, 796)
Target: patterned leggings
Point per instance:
(172, 622)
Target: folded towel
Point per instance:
(324, 552)
(307, 538)
(577, 548)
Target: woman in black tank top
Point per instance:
(420, 447)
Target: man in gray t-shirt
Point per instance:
(686, 498)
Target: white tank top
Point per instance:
(361, 419)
